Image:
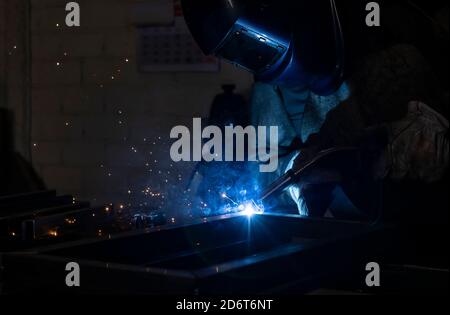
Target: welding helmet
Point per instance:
(282, 42)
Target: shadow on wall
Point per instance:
(16, 174)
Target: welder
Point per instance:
(328, 80)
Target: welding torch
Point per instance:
(294, 175)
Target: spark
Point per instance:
(71, 221)
(225, 196)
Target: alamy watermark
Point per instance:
(73, 276)
(373, 277)
(73, 17)
(233, 144)
(373, 17)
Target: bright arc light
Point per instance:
(248, 209)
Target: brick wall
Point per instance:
(100, 128)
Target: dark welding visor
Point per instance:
(282, 42)
(250, 49)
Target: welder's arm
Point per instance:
(268, 109)
(414, 148)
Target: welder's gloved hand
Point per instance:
(313, 199)
(313, 192)
(418, 146)
(322, 172)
